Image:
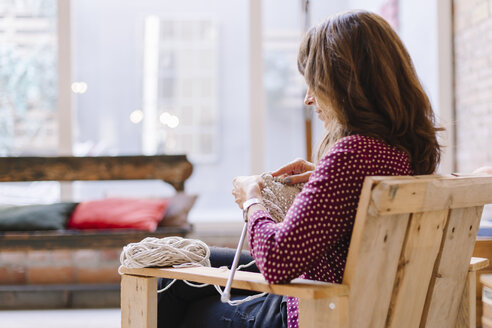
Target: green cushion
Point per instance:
(36, 217)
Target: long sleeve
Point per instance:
(320, 217)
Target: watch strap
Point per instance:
(247, 204)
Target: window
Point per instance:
(180, 87)
(162, 76)
(284, 86)
(28, 77)
(150, 65)
(28, 91)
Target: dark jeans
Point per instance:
(183, 306)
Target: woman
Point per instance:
(378, 121)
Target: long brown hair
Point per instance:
(362, 75)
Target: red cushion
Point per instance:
(114, 213)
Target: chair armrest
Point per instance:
(478, 263)
(302, 288)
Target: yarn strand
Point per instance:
(175, 252)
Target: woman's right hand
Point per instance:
(297, 171)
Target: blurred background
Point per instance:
(88, 78)
(216, 80)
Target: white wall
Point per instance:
(425, 28)
(284, 119)
(371, 5)
(418, 30)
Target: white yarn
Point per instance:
(176, 252)
(169, 251)
(278, 196)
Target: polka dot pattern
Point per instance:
(313, 240)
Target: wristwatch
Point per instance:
(247, 204)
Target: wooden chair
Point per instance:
(408, 264)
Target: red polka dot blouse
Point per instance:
(313, 240)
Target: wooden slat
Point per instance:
(478, 263)
(76, 239)
(358, 231)
(302, 288)
(415, 268)
(372, 262)
(479, 307)
(138, 302)
(411, 195)
(476, 267)
(320, 313)
(173, 169)
(467, 310)
(372, 271)
(451, 270)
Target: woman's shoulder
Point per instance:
(347, 149)
(362, 146)
(367, 152)
(357, 142)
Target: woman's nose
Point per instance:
(309, 99)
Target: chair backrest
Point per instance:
(411, 246)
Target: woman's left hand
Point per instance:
(246, 187)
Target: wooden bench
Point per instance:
(172, 169)
(409, 262)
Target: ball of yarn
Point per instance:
(162, 252)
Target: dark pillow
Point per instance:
(177, 210)
(36, 217)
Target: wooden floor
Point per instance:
(81, 318)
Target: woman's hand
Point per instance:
(246, 187)
(297, 171)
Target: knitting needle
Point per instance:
(226, 294)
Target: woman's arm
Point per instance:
(297, 171)
(321, 215)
